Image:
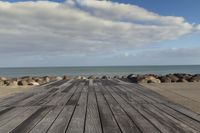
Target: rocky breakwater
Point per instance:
(29, 81)
(169, 78)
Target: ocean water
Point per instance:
(98, 71)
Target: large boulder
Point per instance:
(165, 79)
(46, 79)
(65, 77)
(2, 83)
(57, 78)
(173, 77)
(33, 83)
(92, 77)
(133, 77)
(123, 77)
(116, 77)
(80, 78)
(147, 79)
(10, 83)
(195, 78)
(182, 80)
(104, 77)
(40, 81)
(3, 78)
(23, 83)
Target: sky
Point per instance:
(99, 33)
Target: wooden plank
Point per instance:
(16, 99)
(5, 109)
(76, 124)
(131, 96)
(108, 121)
(11, 125)
(140, 94)
(61, 123)
(11, 114)
(172, 122)
(164, 125)
(167, 108)
(32, 121)
(125, 123)
(157, 97)
(157, 121)
(66, 97)
(93, 122)
(38, 97)
(179, 116)
(63, 96)
(47, 121)
(142, 123)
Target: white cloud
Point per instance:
(82, 27)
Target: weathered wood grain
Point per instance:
(93, 122)
(94, 106)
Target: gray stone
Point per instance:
(147, 79)
(22, 83)
(104, 77)
(182, 80)
(10, 83)
(173, 77)
(92, 77)
(33, 83)
(165, 79)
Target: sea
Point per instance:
(98, 70)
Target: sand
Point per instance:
(7, 90)
(186, 94)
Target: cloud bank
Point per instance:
(83, 26)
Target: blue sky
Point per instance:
(99, 33)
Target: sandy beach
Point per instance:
(186, 94)
(9, 90)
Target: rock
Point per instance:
(124, 77)
(40, 81)
(173, 77)
(165, 79)
(33, 83)
(142, 81)
(92, 77)
(104, 77)
(26, 77)
(116, 77)
(10, 83)
(133, 77)
(195, 78)
(147, 79)
(2, 83)
(80, 78)
(3, 78)
(57, 78)
(22, 83)
(182, 80)
(46, 79)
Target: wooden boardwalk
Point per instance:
(99, 106)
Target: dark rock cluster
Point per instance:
(169, 78)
